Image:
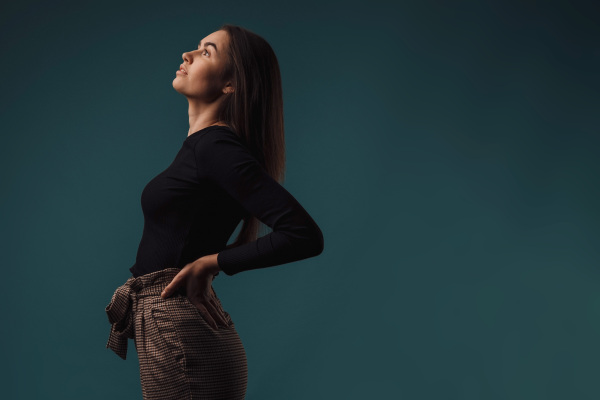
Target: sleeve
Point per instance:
(222, 158)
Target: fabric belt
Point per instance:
(124, 303)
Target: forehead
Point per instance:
(218, 37)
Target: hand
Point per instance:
(197, 278)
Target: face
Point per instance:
(202, 66)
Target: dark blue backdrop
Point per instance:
(448, 150)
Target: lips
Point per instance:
(182, 69)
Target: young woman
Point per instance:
(228, 170)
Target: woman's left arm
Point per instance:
(223, 159)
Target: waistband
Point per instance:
(123, 305)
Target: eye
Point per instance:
(203, 51)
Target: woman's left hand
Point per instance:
(197, 278)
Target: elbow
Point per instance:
(317, 242)
(306, 243)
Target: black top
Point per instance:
(192, 208)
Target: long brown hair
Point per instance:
(254, 110)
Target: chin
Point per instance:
(175, 85)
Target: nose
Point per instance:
(186, 57)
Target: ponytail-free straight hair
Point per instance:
(255, 108)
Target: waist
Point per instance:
(124, 302)
(153, 283)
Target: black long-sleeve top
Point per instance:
(192, 208)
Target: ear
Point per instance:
(228, 89)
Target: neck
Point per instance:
(202, 116)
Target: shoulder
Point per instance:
(212, 133)
(219, 146)
(216, 136)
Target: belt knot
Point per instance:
(120, 313)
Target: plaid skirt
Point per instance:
(180, 355)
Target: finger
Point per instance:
(216, 314)
(218, 311)
(174, 284)
(219, 307)
(203, 310)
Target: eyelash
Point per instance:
(205, 51)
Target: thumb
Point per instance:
(175, 283)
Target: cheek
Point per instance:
(207, 84)
(203, 79)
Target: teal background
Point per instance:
(448, 150)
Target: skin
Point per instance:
(204, 92)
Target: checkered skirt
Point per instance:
(180, 355)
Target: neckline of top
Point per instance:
(206, 128)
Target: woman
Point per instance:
(227, 170)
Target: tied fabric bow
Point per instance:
(120, 313)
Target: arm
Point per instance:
(222, 158)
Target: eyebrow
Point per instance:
(208, 44)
